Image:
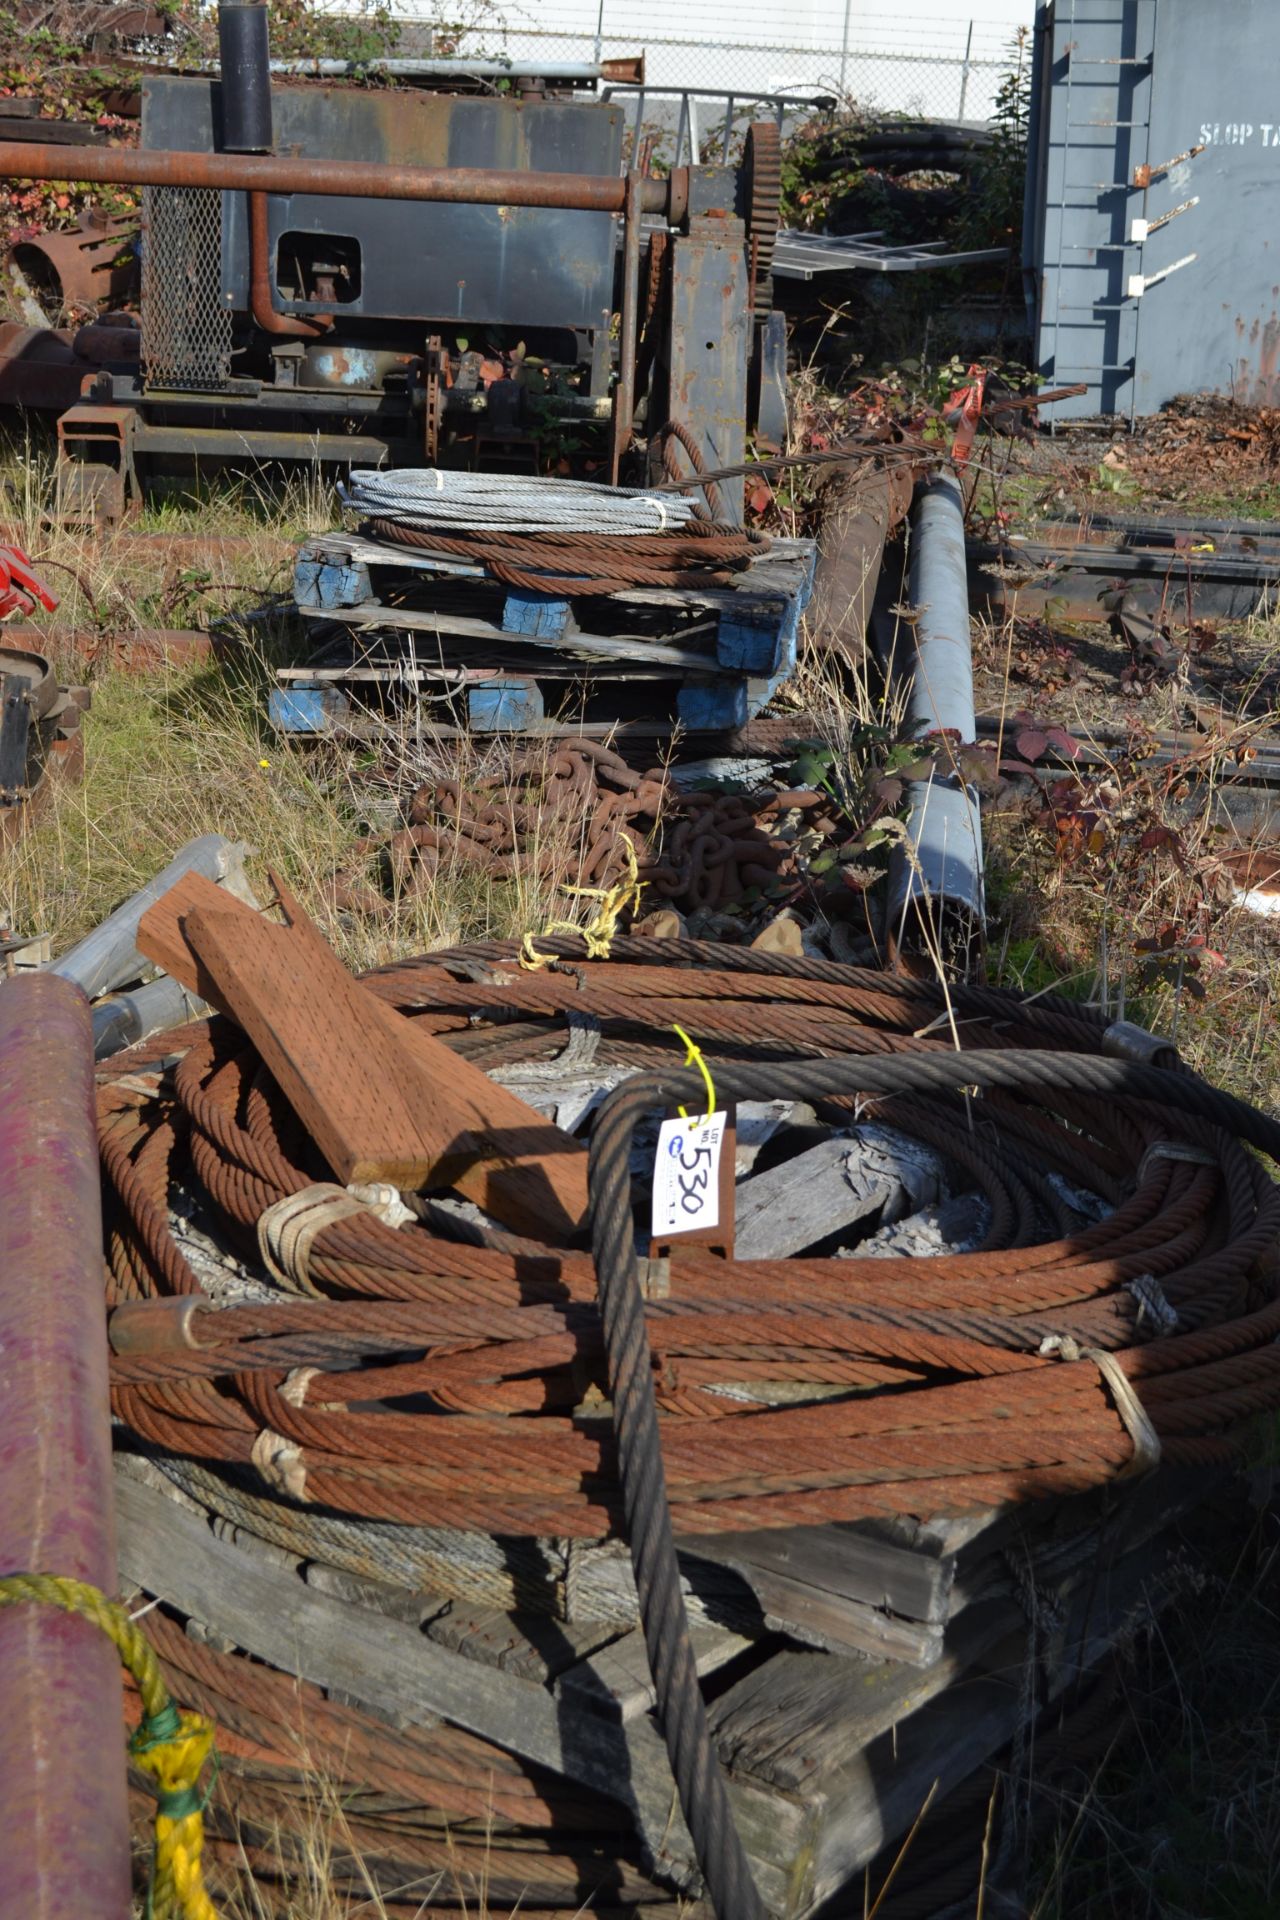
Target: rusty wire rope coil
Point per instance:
(435, 1389)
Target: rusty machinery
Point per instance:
(407, 277)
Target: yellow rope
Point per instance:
(599, 931)
(693, 1058)
(171, 1746)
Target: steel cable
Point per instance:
(663, 1614)
(448, 1399)
(567, 537)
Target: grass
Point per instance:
(1178, 1816)
(1181, 1821)
(186, 750)
(1087, 876)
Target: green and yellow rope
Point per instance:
(170, 1745)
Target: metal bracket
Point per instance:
(97, 480)
(1144, 175)
(1140, 283)
(1141, 230)
(15, 733)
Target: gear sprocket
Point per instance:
(760, 207)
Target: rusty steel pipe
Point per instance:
(337, 179)
(624, 399)
(64, 1826)
(262, 304)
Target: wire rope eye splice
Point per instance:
(663, 1615)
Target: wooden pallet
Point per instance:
(399, 624)
(829, 1755)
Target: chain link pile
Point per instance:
(569, 814)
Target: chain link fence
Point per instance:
(933, 59)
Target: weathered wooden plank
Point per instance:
(380, 1596)
(841, 1560)
(804, 1201)
(588, 646)
(618, 1679)
(827, 1618)
(877, 1795)
(535, 1647)
(382, 1099)
(832, 1189)
(169, 1552)
(797, 1719)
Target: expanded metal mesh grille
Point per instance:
(186, 328)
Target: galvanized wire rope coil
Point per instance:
(550, 538)
(431, 498)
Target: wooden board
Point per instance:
(805, 1201)
(887, 1587)
(533, 1646)
(842, 1562)
(878, 1793)
(382, 1099)
(618, 1679)
(167, 1550)
(825, 1617)
(620, 648)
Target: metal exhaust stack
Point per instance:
(244, 53)
(935, 878)
(64, 1818)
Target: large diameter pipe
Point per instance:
(64, 1817)
(125, 1018)
(335, 179)
(244, 62)
(108, 957)
(938, 871)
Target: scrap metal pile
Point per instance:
(358, 1328)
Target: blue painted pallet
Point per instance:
(757, 617)
(508, 703)
(714, 672)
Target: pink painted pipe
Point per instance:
(64, 1826)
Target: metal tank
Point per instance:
(1152, 265)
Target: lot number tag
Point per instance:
(686, 1176)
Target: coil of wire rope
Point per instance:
(564, 537)
(442, 1382)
